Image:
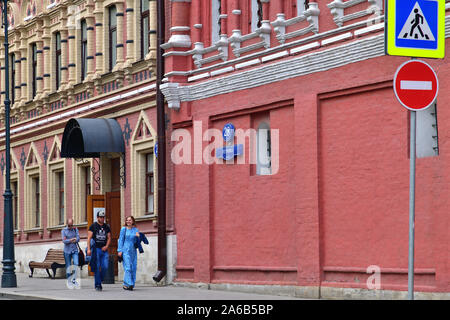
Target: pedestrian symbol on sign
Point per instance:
(416, 26)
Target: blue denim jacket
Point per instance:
(137, 242)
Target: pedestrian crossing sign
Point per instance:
(415, 28)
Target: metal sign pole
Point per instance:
(412, 190)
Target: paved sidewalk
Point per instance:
(44, 288)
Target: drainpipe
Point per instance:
(161, 124)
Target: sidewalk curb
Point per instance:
(19, 296)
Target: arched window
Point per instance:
(263, 150)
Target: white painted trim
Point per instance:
(275, 56)
(221, 71)
(371, 28)
(247, 63)
(308, 46)
(199, 76)
(340, 37)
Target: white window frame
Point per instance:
(301, 7)
(215, 21)
(78, 187)
(139, 148)
(263, 160)
(31, 172)
(254, 18)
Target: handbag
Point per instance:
(81, 260)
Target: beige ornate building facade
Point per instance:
(79, 59)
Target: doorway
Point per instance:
(111, 202)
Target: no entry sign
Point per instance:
(415, 85)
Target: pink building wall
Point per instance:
(339, 202)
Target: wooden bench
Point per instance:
(53, 260)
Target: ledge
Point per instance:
(33, 230)
(146, 218)
(55, 228)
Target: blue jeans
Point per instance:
(102, 260)
(69, 257)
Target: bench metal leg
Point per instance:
(31, 274)
(54, 273)
(48, 272)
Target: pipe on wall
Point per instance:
(161, 130)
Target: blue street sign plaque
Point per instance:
(229, 152)
(228, 132)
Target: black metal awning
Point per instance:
(87, 138)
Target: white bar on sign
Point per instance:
(415, 85)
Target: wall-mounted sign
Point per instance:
(415, 28)
(155, 149)
(229, 152)
(228, 132)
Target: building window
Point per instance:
(263, 149)
(14, 176)
(15, 204)
(144, 172)
(112, 36)
(81, 189)
(215, 20)
(115, 174)
(60, 197)
(257, 14)
(55, 186)
(87, 189)
(58, 59)
(145, 28)
(302, 6)
(36, 201)
(83, 48)
(33, 70)
(149, 183)
(13, 78)
(32, 190)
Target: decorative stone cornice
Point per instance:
(172, 92)
(286, 69)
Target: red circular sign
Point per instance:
(415, 85)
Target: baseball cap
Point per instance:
(101, 214)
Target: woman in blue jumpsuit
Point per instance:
(127, 251)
